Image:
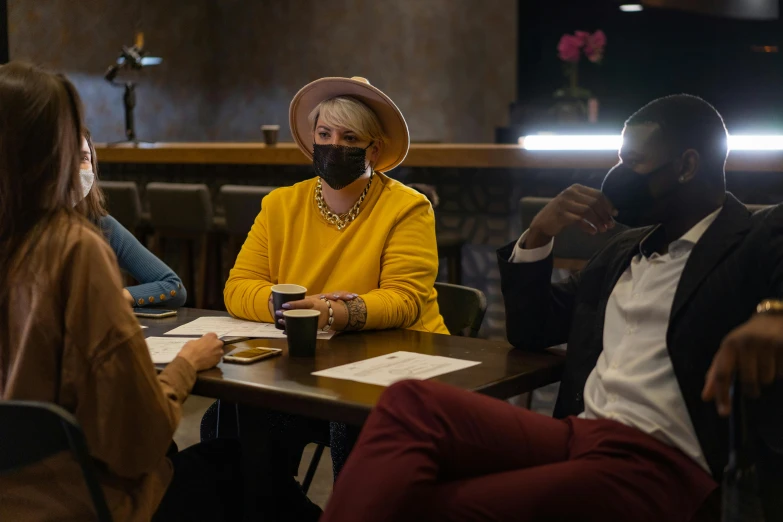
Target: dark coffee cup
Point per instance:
(301, 326)
(282, 294)
(270, 133)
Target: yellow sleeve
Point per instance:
(249, 283)
(409, 266)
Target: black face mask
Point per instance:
(338, 165)
(630, 194)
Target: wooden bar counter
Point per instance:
(421, 155)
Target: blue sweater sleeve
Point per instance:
(160, 286)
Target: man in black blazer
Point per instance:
(657, 324)
(669, 180)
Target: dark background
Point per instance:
(653, 53)
(3, 31)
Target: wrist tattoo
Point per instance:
(357, 314)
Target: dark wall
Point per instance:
(655, 53)
(743, 9)
(233, 65)
(174, 100)
(448, 64)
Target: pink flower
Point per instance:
(583, 36)
(569, 48)
(594, 46)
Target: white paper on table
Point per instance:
(388, 369)
(229, 326)
(163, 350)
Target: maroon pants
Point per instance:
(432, 452)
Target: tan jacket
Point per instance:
(73, 340)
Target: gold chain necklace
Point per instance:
(339, 220)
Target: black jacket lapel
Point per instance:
(729, 228)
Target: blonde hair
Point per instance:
(349, 113)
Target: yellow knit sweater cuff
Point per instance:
(262, 305)
(375, 317)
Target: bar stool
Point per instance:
(241, 204)
(449, 243)
(450, 247)
(123, 203)
(183, 212)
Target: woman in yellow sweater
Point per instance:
(359, 241)
(351, 231)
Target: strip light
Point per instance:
(631, 8)
(769, 142)
(614, 142)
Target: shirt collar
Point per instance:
(686, 242)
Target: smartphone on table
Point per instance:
(252, 355)
(154, 313)
(229, 339)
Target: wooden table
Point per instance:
(286, 384)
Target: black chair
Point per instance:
(241, 204)
(32, 431)
(449, 243)
(123, 203)
(753, 479)
(183, 211)
(573, 247)
(755, 207)
(450, 247)
(462, 308)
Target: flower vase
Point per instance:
(571, 102)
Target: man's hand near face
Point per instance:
(585, 207)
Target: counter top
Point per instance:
(466, 155)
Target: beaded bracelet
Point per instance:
(331, 314)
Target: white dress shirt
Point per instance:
(633, 381)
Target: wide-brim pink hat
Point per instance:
(393, 123)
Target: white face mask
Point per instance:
(87, 178)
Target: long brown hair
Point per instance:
(40, 140)
(94, 205)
